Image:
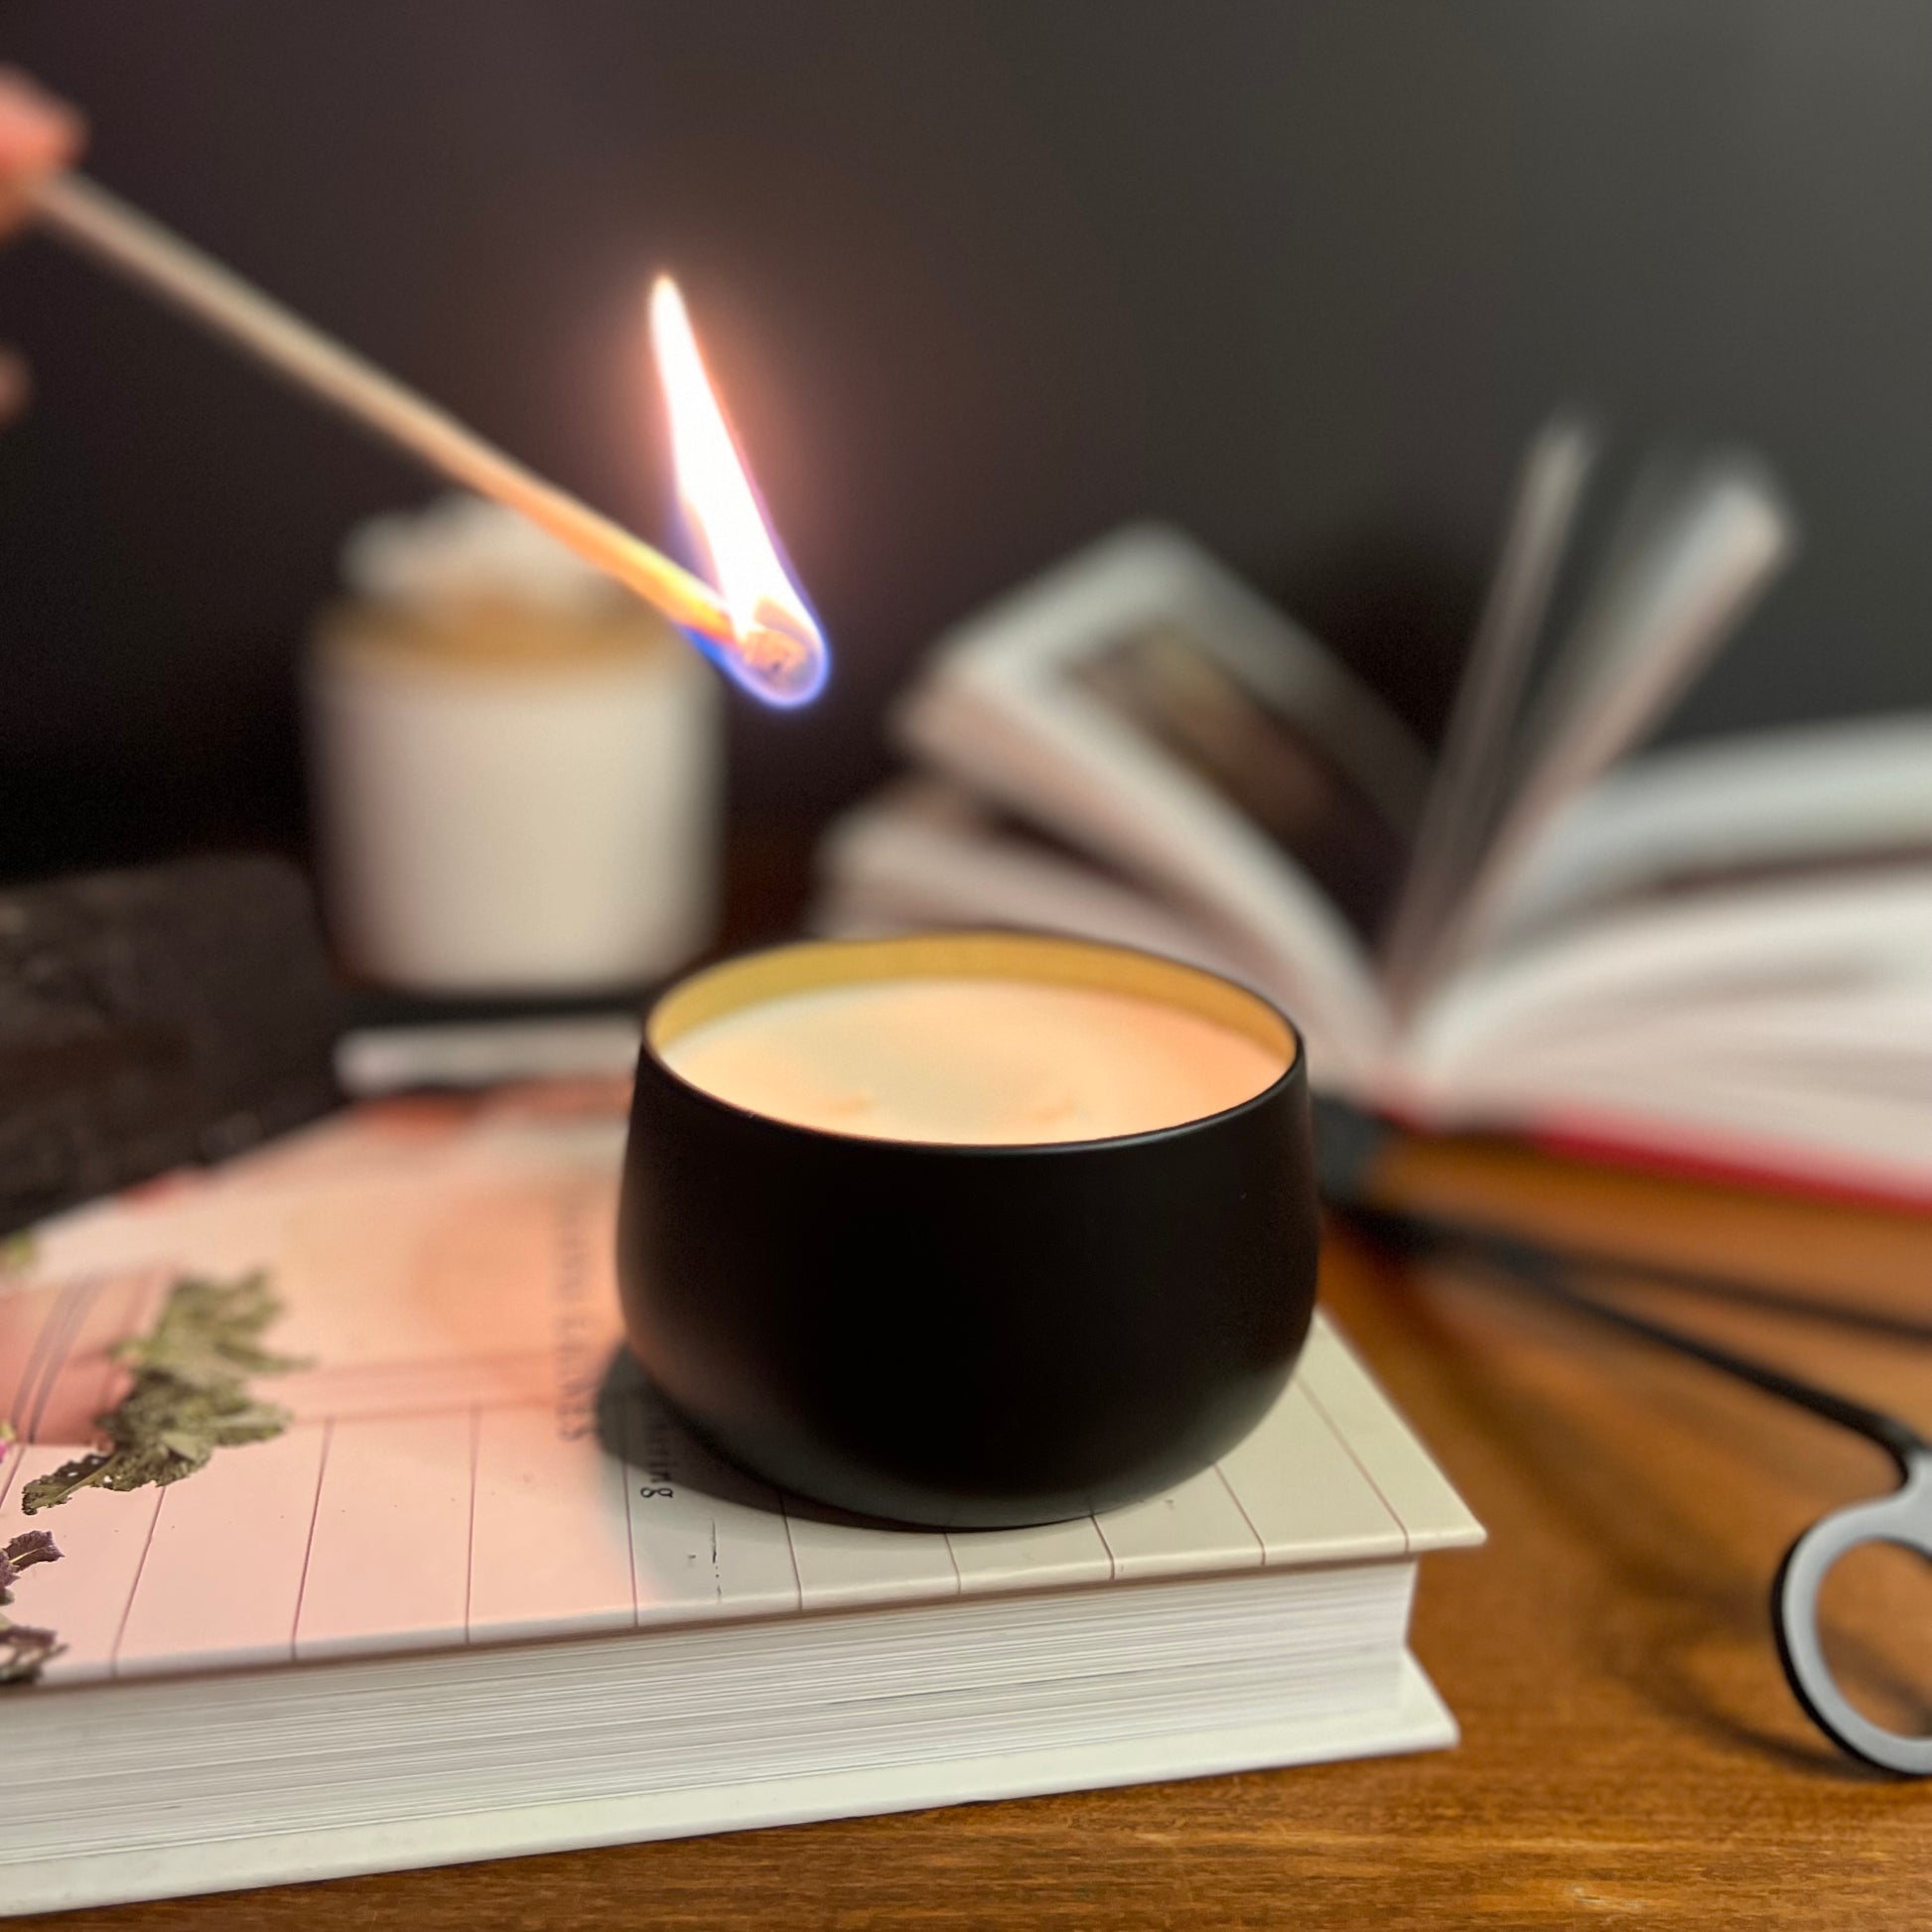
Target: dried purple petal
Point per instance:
(31, 1547)
(25, 1651)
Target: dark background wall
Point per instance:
(981, 280)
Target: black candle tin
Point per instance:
(966, 1336)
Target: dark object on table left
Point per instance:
(154, 1017)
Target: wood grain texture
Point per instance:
(1631, 1756)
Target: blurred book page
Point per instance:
(1854, 793)
(1698, 556)
(1470, 771)
(1266, 763)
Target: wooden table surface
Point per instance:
(1630, 1752)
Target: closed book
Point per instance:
(482, 1595)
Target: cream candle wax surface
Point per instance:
(973, 1061)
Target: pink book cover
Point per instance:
(444, 1275)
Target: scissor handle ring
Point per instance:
(1904, 1518)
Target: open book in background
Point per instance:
(1719, 954)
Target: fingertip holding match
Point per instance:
(38, 132)
(39, 136)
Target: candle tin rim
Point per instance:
(1020, 937)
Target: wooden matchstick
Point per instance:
(85, 214)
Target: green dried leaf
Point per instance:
(206, 1335)
(190, 1395)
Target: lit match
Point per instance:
(760, 631)
(775, 648)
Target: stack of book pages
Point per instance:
(475, 1593)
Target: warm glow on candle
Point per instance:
(969, 1062)
(778, 652)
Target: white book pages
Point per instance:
(1676, 590)
(1814, 794)
(384, 1741)
(900, 864)
(1836, 1044)
(1105, 788)
(1853, 934)
(1782, 1029)
(286, 1828)
(1150, 573)
(1471, 768)
(473, 1462)
(1738, 1117)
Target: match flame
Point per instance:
(779, 653)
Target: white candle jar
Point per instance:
(517, 789)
